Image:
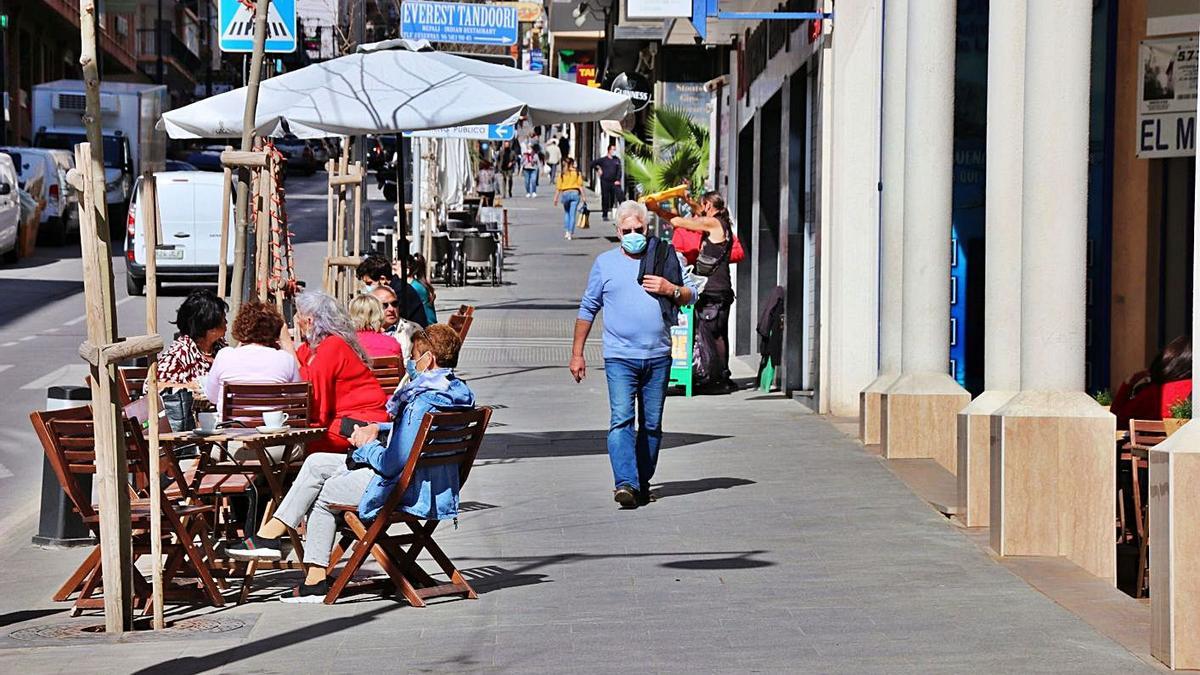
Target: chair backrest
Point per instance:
(444, 438)
(246, 403)
(1146, 433)
(68, 438)
(461, 325)
(130, 382)
(479, 249)
(466, 310)
(389, 370)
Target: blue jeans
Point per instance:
(634, 452)
(531, 181)
(570, 203)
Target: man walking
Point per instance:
(609, 167)
(508, 164)
(553, 157)
(640, 286)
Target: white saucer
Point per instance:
(271, 430)
(204, 434)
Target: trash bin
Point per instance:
(58, 524)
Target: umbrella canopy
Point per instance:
(394, 86)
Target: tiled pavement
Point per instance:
(778, 545)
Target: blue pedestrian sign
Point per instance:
(479, 132)
(458, 22)
(236, 22)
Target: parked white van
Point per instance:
(189, 205)
(10, 209)
(38, 163)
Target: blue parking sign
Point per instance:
(236, 22)
(458, 22)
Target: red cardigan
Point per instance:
(1152, 402)
(343, 386)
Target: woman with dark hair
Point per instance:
(257, 359)
(201, 324)
(1149, 394)
(418, 278)
(711, 218)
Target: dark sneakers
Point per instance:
(626, 497)
(256, 548)
(306, 594)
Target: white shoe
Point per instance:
(568, 236)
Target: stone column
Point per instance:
(1053, 475)
(852, 237)
(919, 409)
(1002, 274)
(891, 171)
(1175, 529)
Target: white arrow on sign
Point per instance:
(242, 26)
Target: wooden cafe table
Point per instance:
(273, 472)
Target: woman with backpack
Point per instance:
(711, 219)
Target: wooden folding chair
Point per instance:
(131, 381)
(389, 370)
(68, 438)
(466, 310)
(1143, 435)
(444, 438)
(246, 403)
(461, 324)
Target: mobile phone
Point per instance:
(348, 424)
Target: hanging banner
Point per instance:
(1167, 98)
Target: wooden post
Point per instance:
(358, 208)
(111, 469)
(149, 202)
(331, 171)
(262, 225)
(222, 265)
(243, 187)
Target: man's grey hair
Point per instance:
(632, 208)
(328, 318)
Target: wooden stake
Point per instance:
(111, 468)
(331, 171)
(223, 265)
(149, 202)
(358, 209)
(243, 187)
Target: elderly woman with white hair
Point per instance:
(640, 286)
(333, 360)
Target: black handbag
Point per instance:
(178, 404)
(707, 264)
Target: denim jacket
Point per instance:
(433, 492)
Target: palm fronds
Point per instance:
(676, 151)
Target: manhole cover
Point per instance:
(91, 631)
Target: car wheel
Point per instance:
(134, 285)
(12, 256)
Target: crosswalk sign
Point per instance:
(236, 21)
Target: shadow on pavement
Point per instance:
(743, 561)
(570, 444)
(19, 297)
(26, 615)
(687, 487)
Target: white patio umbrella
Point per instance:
(393, 86)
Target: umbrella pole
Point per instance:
(401, 212)
(243, 186)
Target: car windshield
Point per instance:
(114, 146)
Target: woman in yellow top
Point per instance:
(570, 191)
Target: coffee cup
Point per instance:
(275, 419)
(208, 421)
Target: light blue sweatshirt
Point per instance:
(633, 319)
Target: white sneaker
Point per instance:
(568, 236)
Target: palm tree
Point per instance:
(676, 151)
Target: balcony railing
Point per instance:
(173, 48)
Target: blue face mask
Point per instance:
(410, 367)
(633, 242)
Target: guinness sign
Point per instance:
(636, 87)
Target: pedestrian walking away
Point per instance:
(485, 183)
(639, 286)
(508, 165)
(553, 158)
(711, 219)
(611, 174)
(570, 192)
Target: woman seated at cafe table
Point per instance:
(333, 360)
(369, 474)
(1149, 394)
(201, 323)
(366, 311)
(257, 359)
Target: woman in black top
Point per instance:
(711, 218)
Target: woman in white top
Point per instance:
(257, 359)
(485, 183)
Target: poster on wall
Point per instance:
(689, 97)
(1167, 98)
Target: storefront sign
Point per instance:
(458, 22)
(585, 74)
(658, 9)
(690, 97)
(527, 12)
(1167, 98)
(635, 87)
(536, 63)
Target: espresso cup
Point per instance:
(275, 419)
(208, 421)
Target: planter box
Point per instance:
(1171, 424)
